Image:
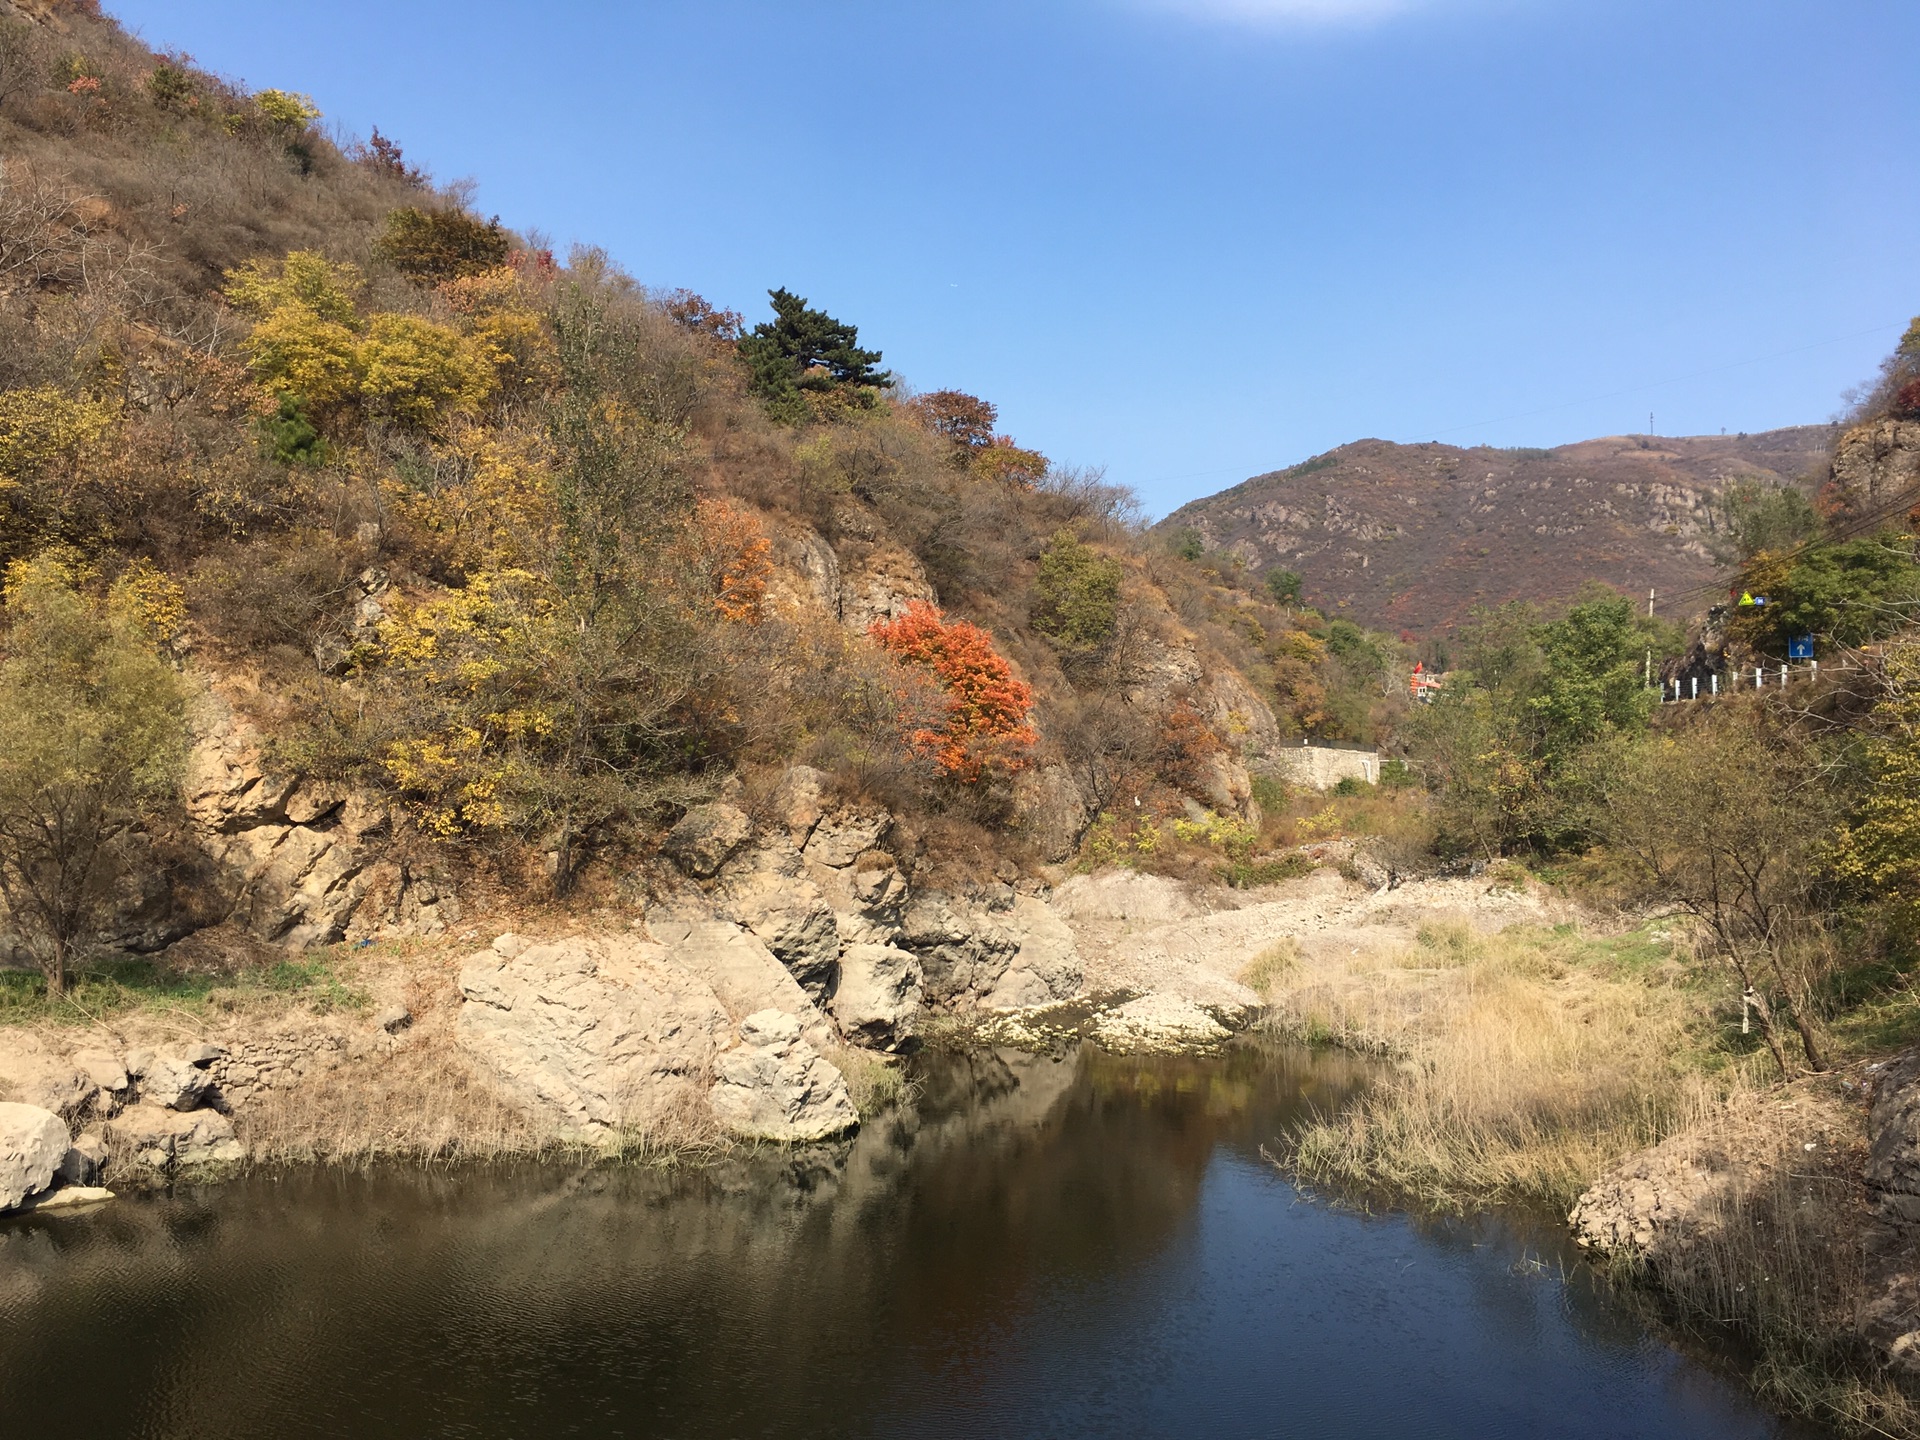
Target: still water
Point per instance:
(1084, 1247)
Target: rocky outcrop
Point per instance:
(882, 585)
(1877, 461)
(1050, 811)
(153, 1138)
(291, 852)
(1045, 966)
(841, 838)
(33, 1142)
(791, 917)
(705, 839)
(1893, 1138)
(775, 1086)
(878, 1002)
(598, 1033)
(741, 972)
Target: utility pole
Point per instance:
(1649, 602)
(1650, 429)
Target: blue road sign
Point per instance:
(1800, 647)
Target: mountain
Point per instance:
(1411, 537)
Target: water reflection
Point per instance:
(1035, 1247)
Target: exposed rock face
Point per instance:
(293, 852)
(1046, 963)
(775, 1086)
(740, 971)
(1893, 1133)
(1877, 461)
(154, 1138)
(878, 1001)
(840, 839)
(790, 916)
(882, 585)
(1124, 895)
(798, 801)
(1051, 811)
(964, 948)
(597, 1032)
(706, 838)
(33, 1142)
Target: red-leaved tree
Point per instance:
(988, 727)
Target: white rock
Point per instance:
(33, 1142)
(1046, 967)
(1158, 1022)
(32, 1074)
(878, 1002)
(840, 839)
(597, 1032)
(173, 1081)
(740, 970)
(156, 1138)
(775, 1086)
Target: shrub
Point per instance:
(988, 727)
(289, 436)
(287, 110)
(420, 372)
(964, 421)
(1284, 586)
(1076, 594)
(429, 246)
(43, 427)
(171, 87)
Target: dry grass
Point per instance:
(1528, 1063)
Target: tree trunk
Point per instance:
(1762, 1010)
(56, 969)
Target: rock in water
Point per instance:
(1158, 1022)
(33, 1142)
(878, 1003)
(706, 838)
(598, 1032)
(775, 1086)
(156, 1138)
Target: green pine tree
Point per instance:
(802, 349)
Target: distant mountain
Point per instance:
(1412, 537)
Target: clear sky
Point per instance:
(1193, 240)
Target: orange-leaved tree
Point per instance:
(988, 727)
(738, 556)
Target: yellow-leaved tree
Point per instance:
(93, 735)
(1877, 852)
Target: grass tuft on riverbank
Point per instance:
(1527, 1062)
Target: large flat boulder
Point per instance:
(1046, 966)
(705, 838)
(33, 1142)
(151, 1137)
(597, 1033)
(33, 1074)
(775, 1086)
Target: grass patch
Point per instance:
(127, 983)
(1531, 1061)
(1251, 874)
(1269, 966)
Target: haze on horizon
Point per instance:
(1195, 240)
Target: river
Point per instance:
(1088, 1246)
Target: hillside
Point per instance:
(1411, 537)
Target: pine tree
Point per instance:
(802, 349)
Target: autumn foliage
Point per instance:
(988, 727)
(739, 559)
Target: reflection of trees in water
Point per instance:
(769, 1291)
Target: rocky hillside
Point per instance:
(1412, 537)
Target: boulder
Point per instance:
(597, 1032)
(33, 1142)
(84, 1160)
(775, 1086)
(841, 838)
(878, 1002)
(172, 1081)
(32, 1074)
(155, 1138)
(706, 838)
(1046, 966)
(739, 970)
(1051, 811)
(792, 919)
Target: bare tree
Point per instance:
(1723, 822)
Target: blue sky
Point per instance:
(1193, 240)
